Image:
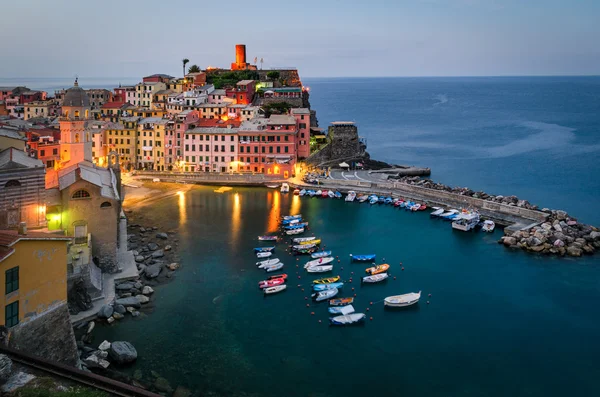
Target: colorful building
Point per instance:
(150, 143)
(212, 149)
(243, 93)
(302, 116)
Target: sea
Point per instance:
(491, 321)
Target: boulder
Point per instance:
(162, 385)
(509, 241)
(139, 258)
(120, 309)
(574, 251)
(561, 215)
(147, 290)
(595, 236)
(131, 302)
(105, 311)
(182, 392)
(538, 248)
(138, 285)
(131, 309)
(559, 243)
(162, 236)
(142, 230)
(158, 254)
(5, 368)
(168, 248)
(93, 361)
(588, 249)
(173, 266)
(110, 320)
(546, 226)
(534, 241)
(152, 271)
(118, 316)
(152, 246)
(135, 314)
(142, 298)
(90, 327)
(557, 227)
(104, 345)
(122, 352)
(124, 286)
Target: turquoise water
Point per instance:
(499, 322)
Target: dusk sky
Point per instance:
(116, 38)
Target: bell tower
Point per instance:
(75, 139)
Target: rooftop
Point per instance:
(253, 124)
(300, 111)
(11, 134)
(213, 130)
(113, 105)
(342, 123)
(165, 76)
(281, 119)
(14, 158)
(245, 82)
(8, 238)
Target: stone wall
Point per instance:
(48, 335)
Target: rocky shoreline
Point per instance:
(561, 234)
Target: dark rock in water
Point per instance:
(158, 254)
(131, 301)
(152, 246)
(142, 230)
(162, 385)
(5, 368)
(153, 271)
(124, 286)
(182, 392)
(135, 314)
(139, 258)
(137, 374)
(162, 236)
(122, 352)
(138, 285)
(105, 311)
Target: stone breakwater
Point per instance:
(560, 234)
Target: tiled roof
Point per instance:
(112, 105)
(8, 238)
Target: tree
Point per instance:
(185, 62)
(194, 69)
(273, 75)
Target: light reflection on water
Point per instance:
(182, 209)
(236, 219)
(274, 213)
(296, 203)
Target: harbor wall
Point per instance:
(210, 178)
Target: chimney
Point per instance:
(22, 229)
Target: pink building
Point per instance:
(302, 117)
(243, 93)
(217, 96)
(211, 149)
(174, 137)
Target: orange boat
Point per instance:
(340, 301)
(378, 269)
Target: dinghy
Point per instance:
(290, 221)
(274, 290)
(294, 231)
(272, 186)
(303, 246)
(315, 242)
(318, 193)
(347, 309)
(267, 262)
(285, 188)
(362, 199)
(270, 283)
(488, 226)
(296, 226)
(263, 254)
(402, 300)
(267, 238)
(341, 301)
(378, 269)
(326, 280)
(319, 262)
(388, 200)
(325, 287)
(375, 278)
(283, 276)
(347, 319)
(331, 194)
(351, 196)
(303, 239)
(320, 269)
(296, 192)
(310, 193)
(363, 258)
(304, 251)
(320, 254)
(298, 216)
(302, 192)
(324, 295)
(437, 212)
(398, 203)
(264, 249)
(373, 200)
(274, 267)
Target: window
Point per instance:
(270, 149)
(55, 151)
(105, 204)
(12, 280)
(80, 194)
(278, 149)
(42, 153)
(262, 149)
(222, 138)
(216, 148)
(231, 148)
(187, 148)
(278, 138)
(193, 159)
(285, 149)
(301, 135)
(222, 148)
(232, 138)
(13, 183)
(11, 314)
(255, 149)
(241, 149)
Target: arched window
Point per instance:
(105, 204)
(81, 194)
(77, 138)
(87, 114)
(13, 183)
(77, 113)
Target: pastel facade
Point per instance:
(211, 149)
(150, 143)
(302, 117)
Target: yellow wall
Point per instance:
(42, 277)
(6, 142)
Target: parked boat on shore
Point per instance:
(402, 300)
(362, 198)
(351, 196)
(285, 188)
(338, 195)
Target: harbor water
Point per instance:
(498, 323)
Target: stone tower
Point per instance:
(75, 141)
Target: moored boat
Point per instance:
(320, 254)
(263, 254)
(270, 283)
(373, 200)
(274, 290)
(320, 269)
(303, 246)
(362, 198)
(285, 188)
(310, 192)
(303, 239)
(325, 194)
(347, 309)
(347, 319)
(324, 287)
(294, 231)
(467, 221)
(264, 249)
(351, 196)
(267, 262)
(488, 226)
(318, 262)
(296, 192)
(304, 251)
(423, 207)
(363, 258)
(326, 280)
(295, 226)
(341, 301)
(388, 200)
(318, 193)
(267, 238)
(331, 194)
(274, 267)
(375, 278)
(402, 300)
(298, 216)
(316, 241)
(378, 269)
(272, 186)
(282, 275)
(437, 212)
(302, 192)
(324, 295)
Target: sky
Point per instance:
(322, 38)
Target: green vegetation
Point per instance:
(185, 62)
(230, 78)
(194, 69)
(276, 108)
(273, 75)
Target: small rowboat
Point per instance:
(296, 192)
(324, 295)
(398, 203)
(341, 301)
(320, 254)
(274, 267)
(402, 300)
(437, 212)
(341, 309)
(304, 251)
(320, 269)
(290, 221)
(318, 262)
(423, 207)
(263, 254)
(302, 239)
(274, 290)
(294, 231)
(375, 278)
(325, 287)
(296, 226)
(488, 226)
(303, 247)
(363, 258)
(299, 216)
(318, 193)
(338, 195)
(331, 194)
(272, 186)
(325, 194)
(270, 283)
(316, 241)
(326, 280)
(378, 269)
(264, 249)
(267, 262)
(302, 192)
(347, 319)
(282, 276)
(267, 238)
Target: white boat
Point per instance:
(347, 309)
(331, 194)
(324, 295)
(285, 188)
(274, 267)
(351, 196)
(302, 192)
(320, 269)
(293, 221)
(303, 246)
(302, 239)
(437, 212)
(318, 193)
(267, 262)
(467, 221)
(318, 262)
(363, 198)
(275, 289)
(402, 300)
(347, 319)
(294, 231)
(488, 226)
(375, 278)
(272, 186)
(297, 216)
(448, 213)
(263, 254)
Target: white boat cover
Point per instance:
(347, 309)
(403, 299)
(319, 262)
(320, 269)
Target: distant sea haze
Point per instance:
(534, 137)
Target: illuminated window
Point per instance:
(80, 194)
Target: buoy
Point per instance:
(355, 295)
(368, 309)
(394, 277)
(342, 268)
(339, 261)
(384, 259)
(427, 302)
(307, 305)
(312, 313)
(352, 288)
(402, 268)
(298, 277)
(297, 259)
(302, 289)
(371, 318)
(337, 256)
(370, 303)
(319, 321)
(306, 298)
(430, 295)
(351, 272)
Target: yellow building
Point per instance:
(34, 267)
(121, 138)
(150, 143)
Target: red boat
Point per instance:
(397, 203)
(273, 277)
(422, 207)
(271, 283)
(325, 193)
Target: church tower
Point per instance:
(75, 139)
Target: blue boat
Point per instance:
(363, 258)
(310, 193)
(296, 226)
(299, 216)
(290, 221)
(388, 200)
(320, 254)
(373, 200)
(338, 195)
(347, 309)
(264, 249)
(381, 200)
(324, 287)
(408, 205)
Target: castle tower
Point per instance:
(75, 140)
